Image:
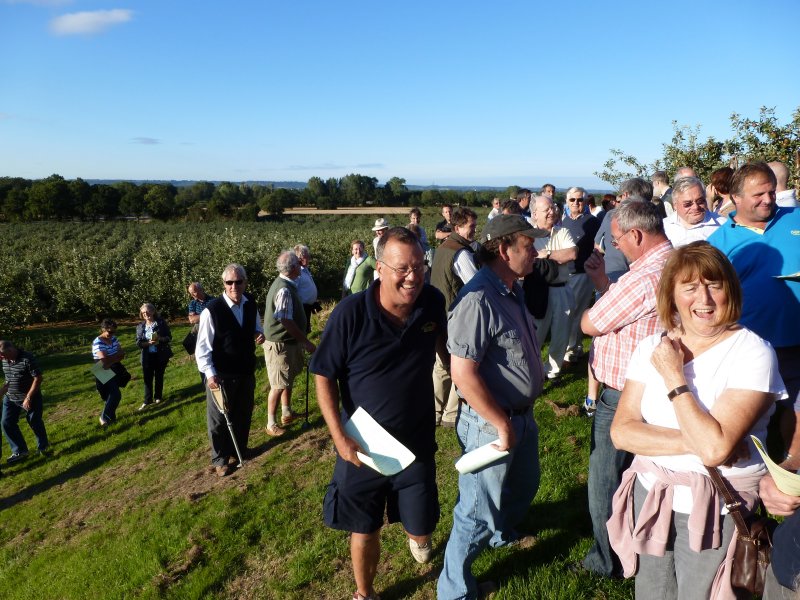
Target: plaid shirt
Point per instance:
(626, 314)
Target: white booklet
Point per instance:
(479, 458)
(103, 375)
(384, 453)
(786, 481)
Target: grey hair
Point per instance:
(641, 214)
(301, 250)
(287, 260)
(686, 183)
(637, 187)
(574, 190)
(196, 285)
(236, 268)
(149, 306)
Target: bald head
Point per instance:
(781, 174)
(684, 172)
(544, 217)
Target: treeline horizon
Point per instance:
(55, 198)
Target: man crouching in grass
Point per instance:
(377, 352)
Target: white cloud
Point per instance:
(87, 23)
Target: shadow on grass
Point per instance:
(78, 470)
(568, 517)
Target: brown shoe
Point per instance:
(290, 418)
(222, 470)
(274, 430)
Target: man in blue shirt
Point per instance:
(377, 353)
(762, 241)
(496, 365)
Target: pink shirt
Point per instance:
(626, 314)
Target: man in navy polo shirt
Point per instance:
(377, 352)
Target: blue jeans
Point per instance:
(491, 502)
(11, 411)
(606, 465)
(111, 395)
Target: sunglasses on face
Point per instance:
(234, 282)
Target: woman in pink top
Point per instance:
(692, 397)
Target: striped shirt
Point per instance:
(107, 348)
(19, 375)
(626, 314)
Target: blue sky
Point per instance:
(444, 92)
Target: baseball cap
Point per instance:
(503, 225)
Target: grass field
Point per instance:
(134, 511)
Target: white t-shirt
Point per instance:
(559, 239)
(741, 361)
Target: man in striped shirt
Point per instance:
(21, 392)
(623, 316)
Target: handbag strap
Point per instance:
(734, 506)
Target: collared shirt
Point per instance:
(770, 306)
(384, 368)
(681, 234)
(306, 288)
(205, 335)
(283, 301)
(489, 324)
(19, 375)
(626, 314)
(786, 198)
(464, 263)
(615, 260)
(559, 239)
(196, 306)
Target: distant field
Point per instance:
(355, 210)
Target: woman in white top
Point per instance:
(692, 397)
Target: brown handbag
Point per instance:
(753, 550)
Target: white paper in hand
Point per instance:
(384, 453)
(103, 375)
(786, 481)
(479, 458)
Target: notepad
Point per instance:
(383, 452)
(786, 481)
(480, 457)
(102, 375)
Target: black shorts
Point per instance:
(358, 497)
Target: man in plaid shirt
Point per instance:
(623, 316)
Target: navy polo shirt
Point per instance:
(385, 369)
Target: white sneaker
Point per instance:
(143, 406)
(422, 553)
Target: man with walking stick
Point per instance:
(229, 330)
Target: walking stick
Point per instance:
(221, 400)
(306, 425)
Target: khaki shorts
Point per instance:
(284, 363)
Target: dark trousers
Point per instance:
(11, 412)
(240, 393)
(153, 369)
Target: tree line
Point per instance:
(59, 199)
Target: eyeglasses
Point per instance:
(406, 271)
(234, 282)
(576, 200)
(615, 241)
